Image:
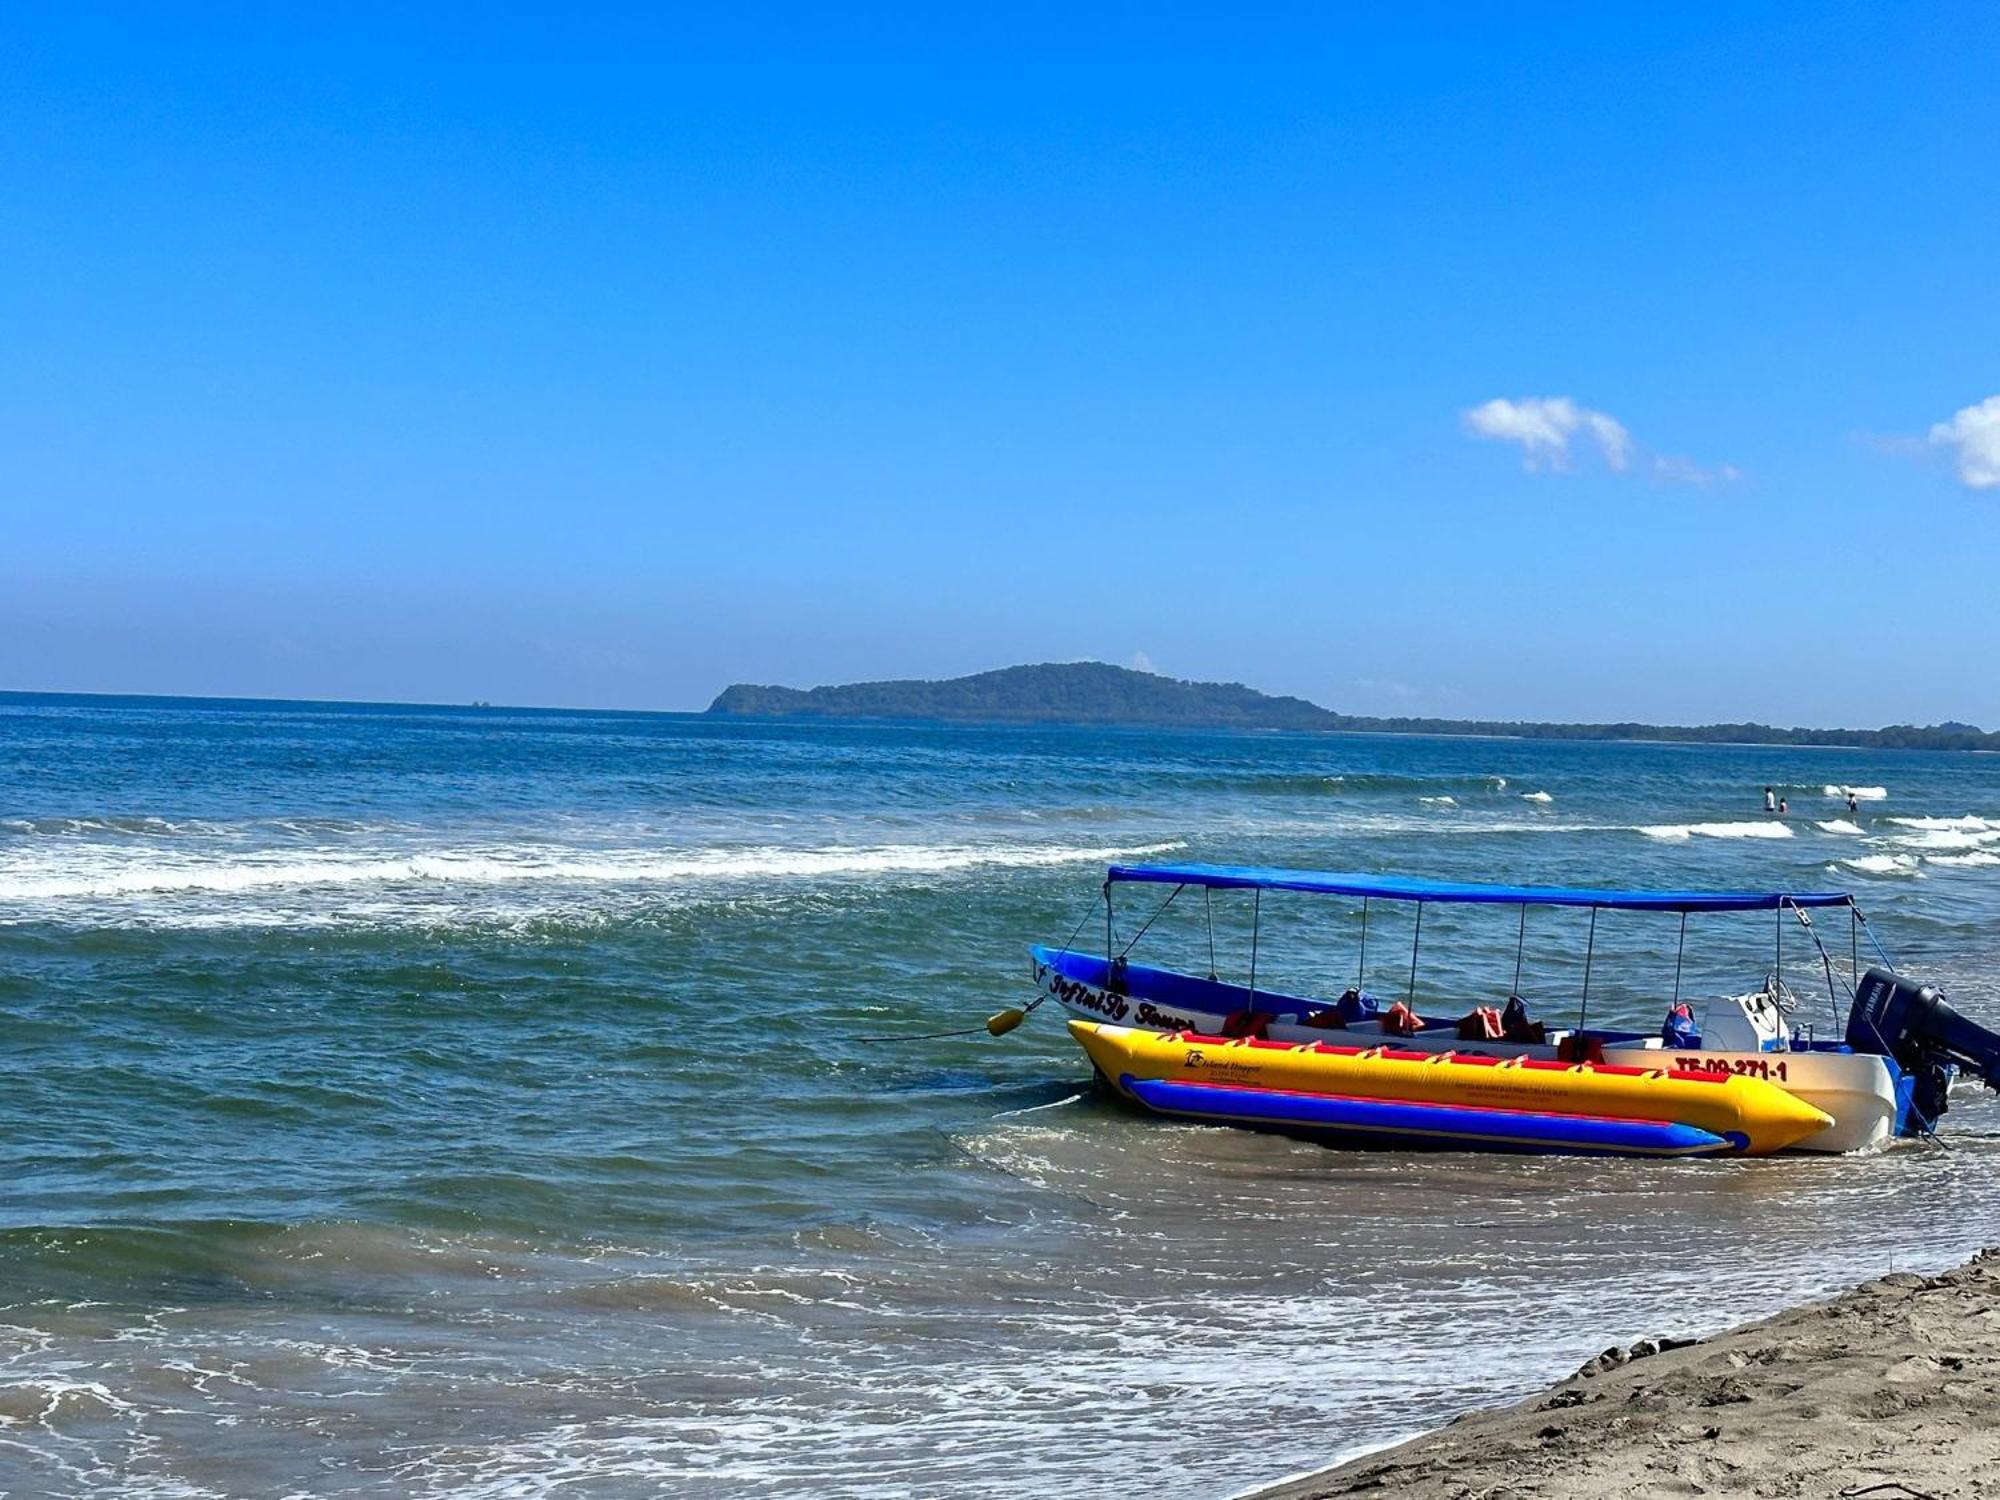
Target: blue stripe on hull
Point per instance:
(1436, 1124)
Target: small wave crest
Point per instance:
(1542, 797)
(1681, 832)
(1840, 826)
(115, 827)
(1858, 793)
(1949, 838)
(1946, 834)
(1348, 783)
(1881, 864)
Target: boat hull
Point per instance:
(1753, 1117)
(1858, 1092)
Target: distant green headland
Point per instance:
(1088, 692)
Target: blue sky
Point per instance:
(604, 360)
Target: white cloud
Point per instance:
(1612, 438)
(1973, 435)
(1545, 425)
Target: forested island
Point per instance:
(1098, 693)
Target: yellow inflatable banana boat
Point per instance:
(1508, 1103)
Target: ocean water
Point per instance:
(410, 1101)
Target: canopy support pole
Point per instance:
(1825, 962)
(1679, 954)
(1256, 917)
(1778, 972)
(1520, 942)
(1108, 943)
(1880, 952)
(1853, 946)
(1208, 903)
(1589, 952)
(1410, 997)
(1146, 926)
(1361, 964)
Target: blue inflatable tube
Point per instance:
(1413, 1124)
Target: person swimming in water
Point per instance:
(1784, 808)
(1770, 800)
(1853, 803)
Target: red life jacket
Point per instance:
(1481, 1024)
(1400, 1020)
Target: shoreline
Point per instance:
(38, 697)
(1889, 1388)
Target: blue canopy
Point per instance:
(1397, 888)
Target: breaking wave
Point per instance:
(1537, 797)
(1948, 838)
(1859, 793)
(114, 877)
(1946, 834)
(1840, 826)
(1679, 832)
(1881, 864)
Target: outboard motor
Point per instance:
(1911, 1023)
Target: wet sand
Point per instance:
(1890, 1390)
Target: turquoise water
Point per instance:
(422, 1101)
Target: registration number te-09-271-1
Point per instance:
(1750, 1067)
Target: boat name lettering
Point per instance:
(1148, 1016)
(1085, 997)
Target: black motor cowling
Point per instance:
(1912, 1023)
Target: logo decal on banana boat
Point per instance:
(1226, 1067)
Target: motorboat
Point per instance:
(1887, 1073)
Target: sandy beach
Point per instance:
(1889, 1390)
